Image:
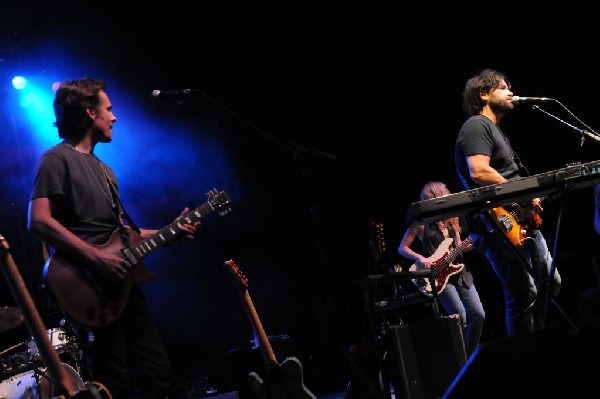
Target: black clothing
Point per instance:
(128, 352)
(79, 191)
(479, 135)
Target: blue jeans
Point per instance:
(518, 285)
(465, 302)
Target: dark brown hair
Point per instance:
(71, 101)
(484, 82)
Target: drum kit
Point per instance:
(23, 374)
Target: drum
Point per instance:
(14, 364)
(59, 340)
(32, 385)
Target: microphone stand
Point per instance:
(296, 149)
(590, 133)
(546, 296)
(300, 153)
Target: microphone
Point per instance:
(517, 99)
(176, 95)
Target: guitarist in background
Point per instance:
(483, 156)
(74, 207)
(459, 296)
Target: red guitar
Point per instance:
(442, 268)
(92, 301)
(281, 381)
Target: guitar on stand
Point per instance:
(365, 355)
(56, 381)
(281, 381)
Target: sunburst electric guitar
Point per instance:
(280, 381)
(443, 267)
(88, 298)
(515, 223)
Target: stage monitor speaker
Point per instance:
(425, 356)
(544, 364)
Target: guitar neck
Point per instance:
(166, 235)
(264, 344)
(452, 254)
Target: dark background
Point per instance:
(320, 119)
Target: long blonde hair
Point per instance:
(435, 189)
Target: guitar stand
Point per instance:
(547, 297)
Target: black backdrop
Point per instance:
(333, 116)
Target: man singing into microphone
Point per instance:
(483, 155)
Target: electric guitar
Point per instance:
(514, 223)
(281, 381)
(88, 298)
(442, 268)
(377, 241)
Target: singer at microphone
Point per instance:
(518, 100)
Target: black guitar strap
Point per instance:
(121, 207)
(523, 171)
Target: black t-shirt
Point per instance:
(78, 188)
(479, 135)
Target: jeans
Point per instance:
(465, 302)
(518, 285)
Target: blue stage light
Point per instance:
(19, 82)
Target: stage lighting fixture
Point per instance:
(19, 82)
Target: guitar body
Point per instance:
(514, 224)
(86, 297)
(282, 381)
(442, 269)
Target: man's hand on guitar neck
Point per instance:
(188, 230)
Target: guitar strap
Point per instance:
(121, 207)
(523, 171)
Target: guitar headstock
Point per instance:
(235, 275)
(377, 241)
(3, 243)
(219, 201)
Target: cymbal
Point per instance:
(10, 317)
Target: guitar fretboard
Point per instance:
(217, 202)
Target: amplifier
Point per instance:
(425, 356)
